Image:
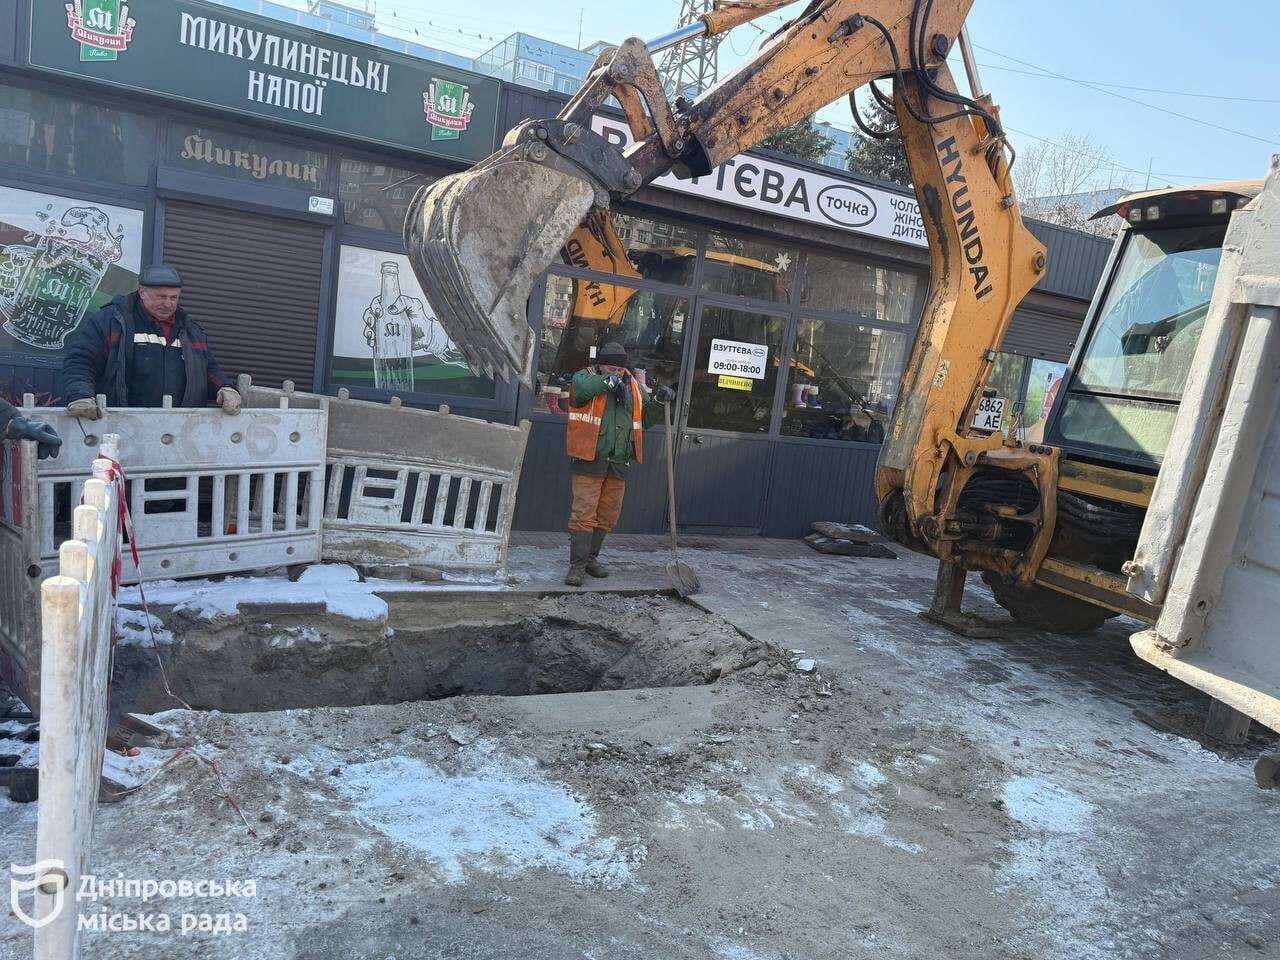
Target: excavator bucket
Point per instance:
(479, 241)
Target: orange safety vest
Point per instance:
(583, 435)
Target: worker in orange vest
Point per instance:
(608, 413)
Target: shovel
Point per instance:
(680, 575)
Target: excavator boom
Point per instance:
(479, 240)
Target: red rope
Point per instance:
(116, 474)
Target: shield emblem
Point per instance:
(24, 878)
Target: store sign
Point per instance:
(103, 28)
(768, 185)
(211, 150)
(59, 259)
(217, 56)
(733, 383)
(734, 358)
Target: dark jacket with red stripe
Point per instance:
(121, 352)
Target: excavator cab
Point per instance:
(1125, 383)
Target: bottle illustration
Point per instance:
(392, 327)
(47, 285)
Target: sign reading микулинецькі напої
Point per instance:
(219, 57)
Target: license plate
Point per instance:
(990, 414)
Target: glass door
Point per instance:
(722, 464)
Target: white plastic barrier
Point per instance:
(78, 607)
(411, 486)
(19, 572)
(208, 493)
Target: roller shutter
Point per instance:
(254, 283)
(1040, 333)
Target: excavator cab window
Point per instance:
(1129, 378)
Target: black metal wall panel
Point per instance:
(1045, 327)
(811, 482)
(1076, 260)
(543, 500)
(722, 482)
(9, 31)
(254, 283)
(19, 378)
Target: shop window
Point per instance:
(580, 314)
(1042, 390)
(843, 381)
(1008, 374)
(75, 138)
(59, 259)
(1029, 386)
(375, 195)
(386, 335)
(252, 159)
(735, 370)
(865, 289)
(639, 248)
(746, 267)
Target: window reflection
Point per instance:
(843, 381)
(375, 195)
(580, 314)
(74, 138)
(732, 400)
(747, 267)
(633, 248)
(866, 289)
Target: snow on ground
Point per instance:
(499, 817)
(336, 585)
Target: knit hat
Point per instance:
(613, 354)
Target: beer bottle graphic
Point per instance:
(391, 317)
(46, 288)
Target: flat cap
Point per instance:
(159, 275)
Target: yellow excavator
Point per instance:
(1053, 523)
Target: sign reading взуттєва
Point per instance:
(220, 57)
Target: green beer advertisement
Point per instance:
(221, 57)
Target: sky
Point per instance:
(1214, 51)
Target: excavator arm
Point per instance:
(479, 240)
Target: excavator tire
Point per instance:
(1043, 609)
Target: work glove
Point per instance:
(20, 428)
(229, 400)
(85, 409)
(664, 394)
(611, 382)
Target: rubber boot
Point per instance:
(594, 567)
(579, 554)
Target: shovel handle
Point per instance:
(671, 476)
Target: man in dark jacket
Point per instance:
(608, 413)
(140, 348)
(14, 426)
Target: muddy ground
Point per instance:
(914, 795)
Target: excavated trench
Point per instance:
(479, 645)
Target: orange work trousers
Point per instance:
(597, 501)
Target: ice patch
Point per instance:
(132, 629)
(1042, 805)
(500, 817)
(870, 774)
(330, 584)
(872, 826)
